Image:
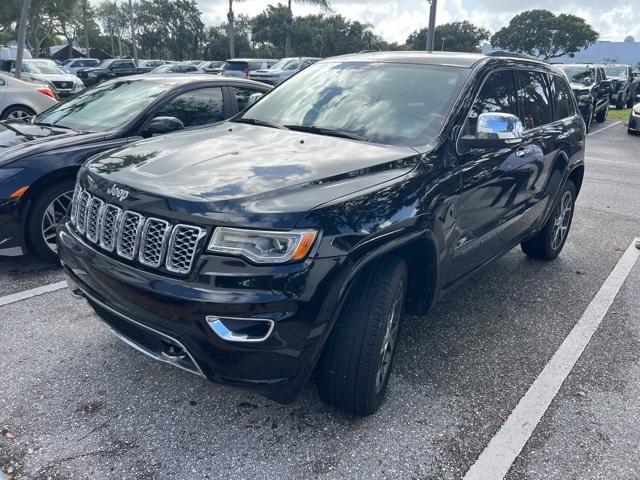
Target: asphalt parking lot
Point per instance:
(78, 403)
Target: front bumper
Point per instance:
(146, 308)
(11, 238)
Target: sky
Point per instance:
(394, 20)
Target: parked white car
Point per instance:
(20, 99)
(74, 64)
(38, 69)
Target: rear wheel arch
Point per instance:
(577, 176)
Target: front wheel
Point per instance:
(17, 112)
(49, 209)
(354, 370)
(602, 115)
(548, 243)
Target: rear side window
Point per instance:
(536, 103)
(497, 95)
(563, 98)
(236, 66)
(198, 107)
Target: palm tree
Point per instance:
(324, 5)
(231, 30)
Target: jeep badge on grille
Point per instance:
(119, 193)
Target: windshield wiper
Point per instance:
(327, 131)
(55, 125)
(262, 123)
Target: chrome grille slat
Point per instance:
(94, 212)
(154, 240)
(129, 234)
(110, 219)
(150, 241)
(82, 211)
(182, 247)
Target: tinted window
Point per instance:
(390, 103)
(242, 96)
(237, 66)
(534, 93)
(564, 99)
(199, 107)
(498, 95)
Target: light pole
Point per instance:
(431, 32)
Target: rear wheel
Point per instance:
(548, 243)
(17, 112)
(354, 370)
(49, 209)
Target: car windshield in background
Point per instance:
(104, 107)
(388, 103)
(583, 75)
(615, 71)
(290, 64)
(41, 67)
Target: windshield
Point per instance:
(286, 64)
(104, 107)
(162, 69)
(584, 75)
(615, 71)
(389, 103)
(41, 67)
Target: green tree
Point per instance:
(324, 5)
(453, 37)
(530, 32)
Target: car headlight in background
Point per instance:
(263, 246)
(636, 110)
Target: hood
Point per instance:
(19, 139)
(581, 87)
(248, 170)
(54, 77)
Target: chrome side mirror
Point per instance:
(253, 98)
(495, 130)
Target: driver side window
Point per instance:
(497, 95)
(197, 107)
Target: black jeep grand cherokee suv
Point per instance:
(292, 238)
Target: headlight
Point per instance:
(636, 110)
(263, 246)
(7, 173)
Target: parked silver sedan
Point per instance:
(20, 99)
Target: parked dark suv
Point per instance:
(107, 70)
(292, 238)
(592, 89)
(624, 85)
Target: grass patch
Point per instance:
(615, 114)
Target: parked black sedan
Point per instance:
(39, 160)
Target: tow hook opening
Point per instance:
(173, 352)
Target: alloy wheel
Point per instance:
(390, 339)
(53, 215)
(562, 220)
(18, 115)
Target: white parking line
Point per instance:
(496, 459)
(604, 128)
(611, 162)
(16, 297)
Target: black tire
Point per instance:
(350, 373)
(11, 111)
(36, 217)
(602, 115)
(545, 245)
